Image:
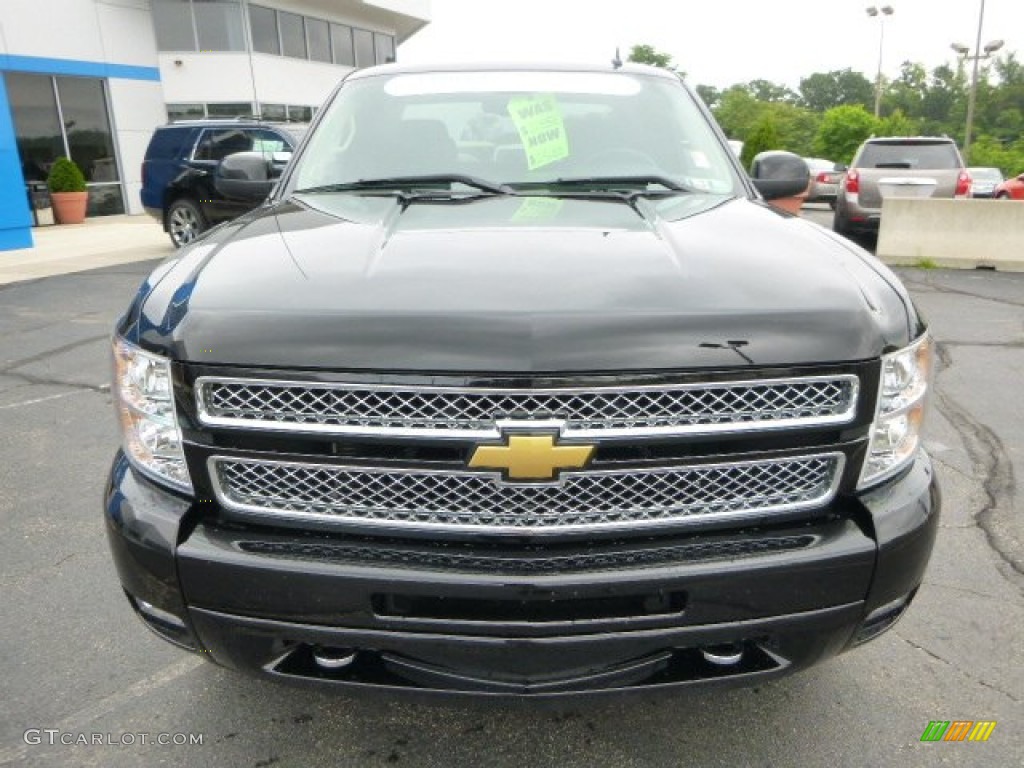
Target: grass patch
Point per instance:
(925, 264)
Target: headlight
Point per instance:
(144, 398)
(896, 430)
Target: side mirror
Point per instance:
(841, 168)
(244, 176)
(778, 174)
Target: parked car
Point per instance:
(984, 181)
(1011, 189)
(579, 414)
(177, 173)
(825, 178)
(928, 166)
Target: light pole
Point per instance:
(965, 54)
(880, 14)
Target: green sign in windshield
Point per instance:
(539, 122)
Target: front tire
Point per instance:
(1002, 196)
(185, 222)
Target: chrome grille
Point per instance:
(594, 412)
(480, 502)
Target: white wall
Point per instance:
(114, 31)
(213, 77)
(137, 107)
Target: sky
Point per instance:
(716, 42)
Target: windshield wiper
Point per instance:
(404, 184)
(618, 185)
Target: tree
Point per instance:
(906, 92)
(737, 111)
(898, 124)
(824, 90)
(765, 90)
(763, 137)
(709, 95)
(842, 130)
(647, 54)
(944, 108)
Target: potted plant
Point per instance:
(67, 191)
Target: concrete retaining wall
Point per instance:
(963, 234)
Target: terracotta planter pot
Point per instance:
(69, 207)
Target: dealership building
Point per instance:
(91, 79)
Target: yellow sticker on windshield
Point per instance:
(539, 122)
(538, 209)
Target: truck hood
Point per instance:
(520, 284)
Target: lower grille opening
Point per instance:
(671, 666)
(529, 610)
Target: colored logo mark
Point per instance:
(958, 730)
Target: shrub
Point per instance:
(842, 130)
(65, 176)
(763, 137)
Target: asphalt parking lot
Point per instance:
(76, 660)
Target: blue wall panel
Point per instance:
(15, 216)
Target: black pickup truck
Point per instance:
(516, 385)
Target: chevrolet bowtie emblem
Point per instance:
(531, 457)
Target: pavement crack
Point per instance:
(951, 468)
(958, 291)
(52, 352)
(28, 378)
(992, 467)
(957, 667)
(957, 588)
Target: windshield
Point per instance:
(515, 129)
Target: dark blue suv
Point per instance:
(177, 174)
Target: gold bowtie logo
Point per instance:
(531, 457)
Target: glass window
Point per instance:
(384, 45)
(341, 40)
(364, 47)
(167, 143)
(263, 22)
(185, 111)
(274, 112)
(269, 142)
(40, 139)
(217, 143)
(239, 109)
(300, 114)
(36, 124)
(84, 107)
(219, 25)
(910, 155)
(318, 36)
(293, 35)
(105, 200)
(172, 20)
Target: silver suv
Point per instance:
(921, 166)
